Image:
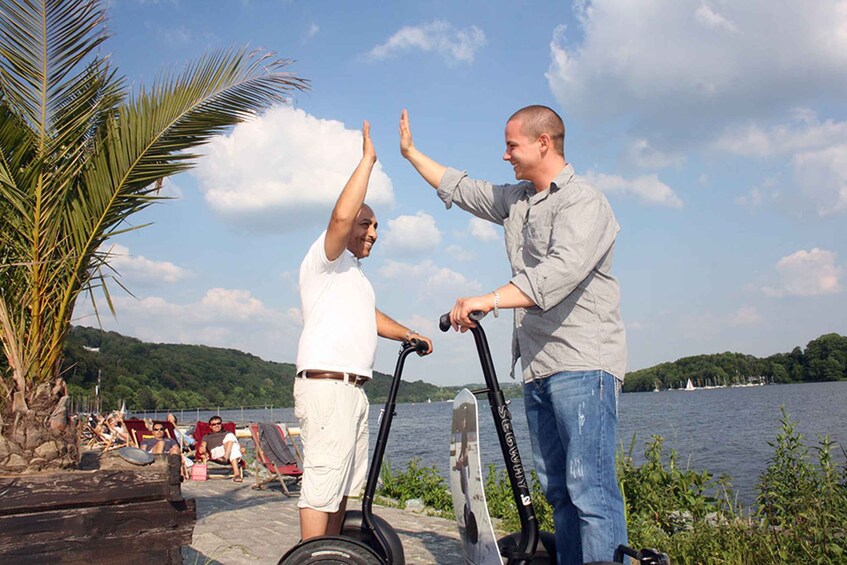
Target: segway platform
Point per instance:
(479, 545)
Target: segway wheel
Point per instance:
(353, 527)
(545, 552)
(331, 549)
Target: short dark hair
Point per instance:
(215, 419)
(537, 119)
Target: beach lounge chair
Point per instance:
(276, 452)
(200, 430)
(138, 430)
(98, 435)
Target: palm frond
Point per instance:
(41, 43)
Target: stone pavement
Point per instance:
(238, 525)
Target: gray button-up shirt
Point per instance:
(560, 244)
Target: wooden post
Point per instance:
(120, 513)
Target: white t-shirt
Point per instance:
(339, 314)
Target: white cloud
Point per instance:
(745, 316)
(460, 253)
(283, 170)
(805, 132)
(643, 155)
(482, 230)
(822, 175)
(137, 269)
(411, 234)
(687, 67)
(816, 152)
(647, 188)
(313, 30)
(431, 280)
(806, 273)
(454, 45)
(230, 318)
(710, 18)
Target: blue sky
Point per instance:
(717, 129)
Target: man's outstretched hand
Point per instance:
(368, 151)
(406, 143)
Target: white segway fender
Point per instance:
(479, 545)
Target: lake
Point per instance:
(723, 431)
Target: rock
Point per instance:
(415, 505)
(34, 438)
(36, 464)
(15, 462)
(47, 451)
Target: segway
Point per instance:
(529, 546)
(365, 538)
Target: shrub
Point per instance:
(417, 482)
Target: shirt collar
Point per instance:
(562, 179)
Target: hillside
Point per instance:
(161, 376)
(824, 359)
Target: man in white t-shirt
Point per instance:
(336, 353)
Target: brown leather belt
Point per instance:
(350, 378)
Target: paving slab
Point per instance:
(237, 525)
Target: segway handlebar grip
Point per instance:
(444, 320)
(418, 345)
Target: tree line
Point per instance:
(173, 376)
(824, 359)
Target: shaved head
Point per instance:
(536, 120)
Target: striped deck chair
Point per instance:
(278, 453)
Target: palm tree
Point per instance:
(78, 156)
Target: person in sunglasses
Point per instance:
(160, 443)
(221, 447)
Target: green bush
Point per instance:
(800, 514)
(417, 482)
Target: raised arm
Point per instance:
(350, 200)
(426, 167)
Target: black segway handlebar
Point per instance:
(419, 345)
(444, 321)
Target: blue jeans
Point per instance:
(572, 419)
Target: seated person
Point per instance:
(185, 440)
(221, 447)
(112, 429)
(159, 443)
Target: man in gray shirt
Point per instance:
(560, 233)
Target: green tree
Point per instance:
(79, 155)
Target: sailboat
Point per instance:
(689, 385)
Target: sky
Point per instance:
(717, 130)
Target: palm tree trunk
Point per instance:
(41, 437)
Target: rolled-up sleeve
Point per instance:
(481, 198)
(583, 230)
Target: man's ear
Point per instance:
(546, 142)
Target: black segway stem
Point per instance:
(508, 444)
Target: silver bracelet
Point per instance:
(409, 334)
(496, 304)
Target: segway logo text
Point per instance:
(511, 443)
